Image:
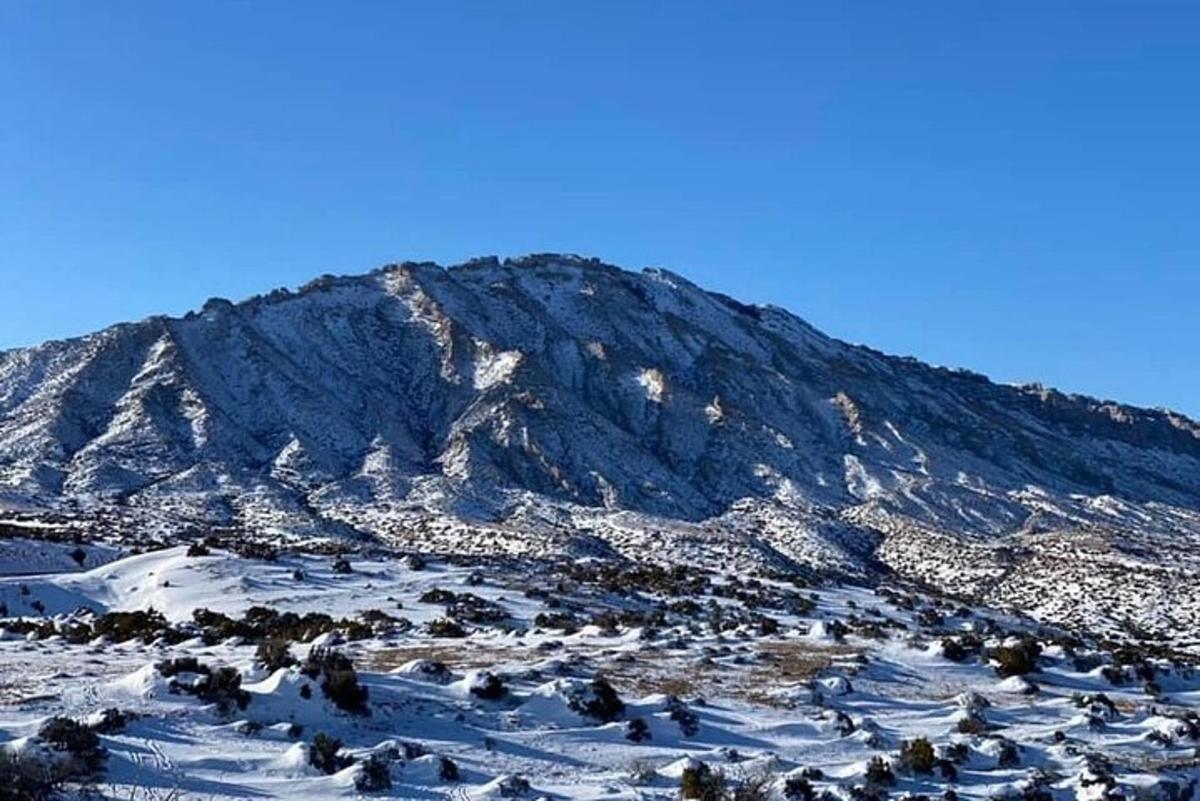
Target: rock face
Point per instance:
(554, 393)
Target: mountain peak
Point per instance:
(554, 374)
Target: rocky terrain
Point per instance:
(545, 528)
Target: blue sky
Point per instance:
(1011, 187)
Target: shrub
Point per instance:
(798, 788)
(342, 566)
(637, 730)
(376, 775)
(445, 627)
(598, 700)
(689, 722)
(343, 689)
(916, 756)
(69, 735)
(489, 687)
(198, 549)
(473, 609)
(1009, 755)
(513, 787)
(438, 596)
(79, 556)
(954, 650)
(86, 755)
(754, 788)
(274, 654)
(146, 626)
(971, 723)
(183, 664)
(1016, 660)
(24, 777)
(565, 621)
(261, 623)
(112, 721)
(222, 686)
(701, 783)
(930, 617)
(339, 680)
(879, 772)
(251, 549)
(447, 769)
(323, 754)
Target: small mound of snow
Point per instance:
(820, 631)
(145, 682)
(674, 770)
(426, 670)
(293, 761)
(835, 685)
(1018, 685)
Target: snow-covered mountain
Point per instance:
(554, 403)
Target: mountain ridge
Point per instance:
(1075, 414)
(559, 406)
(750, 309)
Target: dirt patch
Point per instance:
(768, 669)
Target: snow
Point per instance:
(755, 714)
(652, 381)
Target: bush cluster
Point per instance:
(222, 686)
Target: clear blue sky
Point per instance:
(1012, 187)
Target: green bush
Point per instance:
(1016, 660)
(146, 626)
(916, 756)
(445, 627)
(339, 681)
(274, 654)
(599, 700)
(222, 686)
(447, 770)
(702, 783)
(85, 755)
(376, 775)
(323, 754)
(24, 777)
(879, 772)
(637, 730)
(489, 687)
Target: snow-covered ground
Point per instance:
(792, 687)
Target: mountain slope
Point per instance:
(521, 398)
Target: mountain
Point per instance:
(555, 405)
